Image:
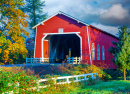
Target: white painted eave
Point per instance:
(60, 33)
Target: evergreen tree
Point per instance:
(34, 9)
(121, 51)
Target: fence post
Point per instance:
(69, 60)
(54, 80)
(31, 59)
(92, 76)
(72, 59)
(34, 60)
(79, 60)
(40, 60)
(67, 80)
(77, 78)
(84, 77)
(76, 59)
(38, 84)
(26, 60)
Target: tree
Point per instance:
(13, 21)
(34, 8)
(121, 51)
(30, 47)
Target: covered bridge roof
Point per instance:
(79, 21)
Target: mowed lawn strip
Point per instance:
(117, 86)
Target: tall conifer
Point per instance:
(121, 51)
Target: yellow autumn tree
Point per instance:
(12, 32)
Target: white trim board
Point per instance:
(42, 45)
(46, 34)
(35, 42)
(80, 45)
(60, 33)
(89, 45)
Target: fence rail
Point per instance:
(37, 60)
(71, 60)
(74, 60)
(62, 80)
(66, 79)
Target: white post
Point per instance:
(69, 60)
(79, 60)
(31, 59)
(92, 76)
(38, 84)
(26, 60)
(76, 59)
(36, 60)
(40, 60)
(72, 59)
(67, 80)
(89, 45)
(84, 77)
(55, 81)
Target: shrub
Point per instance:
(15, 70)
(85, 68)
(11, 84)
(55, 88)
(21, 76)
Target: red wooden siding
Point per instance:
(98, 37)
(52, 25)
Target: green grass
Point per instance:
(104, 88)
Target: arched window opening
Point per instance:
(98, 52)
(103, 53)
(93, 51)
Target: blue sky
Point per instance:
(107, 15)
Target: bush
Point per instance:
(55, 88)
(115, 73)
(15, 70)
(85, 68)
(18, 74)
(76, 69)
(11, 84)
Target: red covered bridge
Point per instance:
(61, 33)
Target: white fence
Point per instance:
(37, 60)
(71, 60)
(63, 80)
(74, 60)
(67, 79)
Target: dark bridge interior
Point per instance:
(61, 44)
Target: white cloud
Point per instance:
(76, 8)
(109, 19)
(116, 11)
(116, 15)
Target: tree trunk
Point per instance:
(124, 74)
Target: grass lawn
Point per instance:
(110, 87)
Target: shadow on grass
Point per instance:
(106, 87)
(122, 78)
